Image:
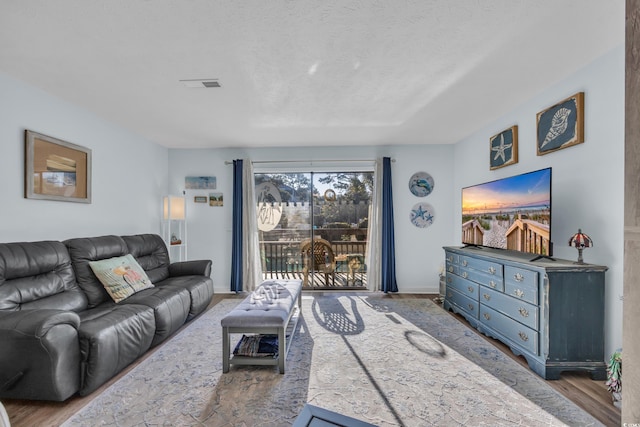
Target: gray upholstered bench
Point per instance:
(273, 308)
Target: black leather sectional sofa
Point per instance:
(60, 331)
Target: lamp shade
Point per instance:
(174, 207)
(580, 240)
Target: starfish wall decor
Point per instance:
(503, 148)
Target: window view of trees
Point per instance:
(293, 207)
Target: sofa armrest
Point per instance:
(36, 323)
(40, 354)
(190, 268)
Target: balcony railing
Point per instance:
(283, 260)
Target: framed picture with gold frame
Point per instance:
(561, 125)
(56, 169)
(503, 148)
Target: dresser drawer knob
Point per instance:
(492, 284)
(492, 270)
(519, 277)
(487, 297)
(470, 289)
(465, 275)
(523, 336)
(464, 262)
(523, 312)
(486, 316)
(449, 280)
(470, 306)
(519, 293)
(450, 258)
(450, 269)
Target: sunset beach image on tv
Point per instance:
(510, 213)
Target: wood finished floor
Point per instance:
(592, 396)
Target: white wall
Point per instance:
(419, 252)
(129, 172)
(587, 179)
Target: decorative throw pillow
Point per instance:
(121, 276)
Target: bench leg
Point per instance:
(282, 348)
(225, 350)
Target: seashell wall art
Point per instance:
(561, 125)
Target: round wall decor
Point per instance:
(421, 184)
(422, 215)
(330, 195)
(269, 206)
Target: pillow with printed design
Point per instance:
(121, 276)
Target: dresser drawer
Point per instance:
(483, 278)
(488, 267)
(515, 332)
(523, 312)
(452, 258)
(462, 302)
(452, 268)
(521, 283)
(465, 287)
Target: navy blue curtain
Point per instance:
(236, 245)
(388, 282)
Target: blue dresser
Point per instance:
(550, 312)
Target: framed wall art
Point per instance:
(561, 125)
(216, 199)
(200, 199)
(200, 182)
(503, 148)
(56, 169)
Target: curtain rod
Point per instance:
(227, 162)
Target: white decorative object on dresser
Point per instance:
(549, 311)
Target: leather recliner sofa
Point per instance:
(60, 331)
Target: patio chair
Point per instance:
(318, 256)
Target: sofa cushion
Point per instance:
(170, 308)
(38, 275)
(151, 253)
(86, 249)
(200, 290)
(111, 337)
(121, 276)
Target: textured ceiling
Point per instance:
(302, 72)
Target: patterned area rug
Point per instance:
(390, 362)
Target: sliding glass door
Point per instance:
(314, 226)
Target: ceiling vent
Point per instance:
(208, 83)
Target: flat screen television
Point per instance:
(510, 213)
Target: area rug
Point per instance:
(386, 361)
